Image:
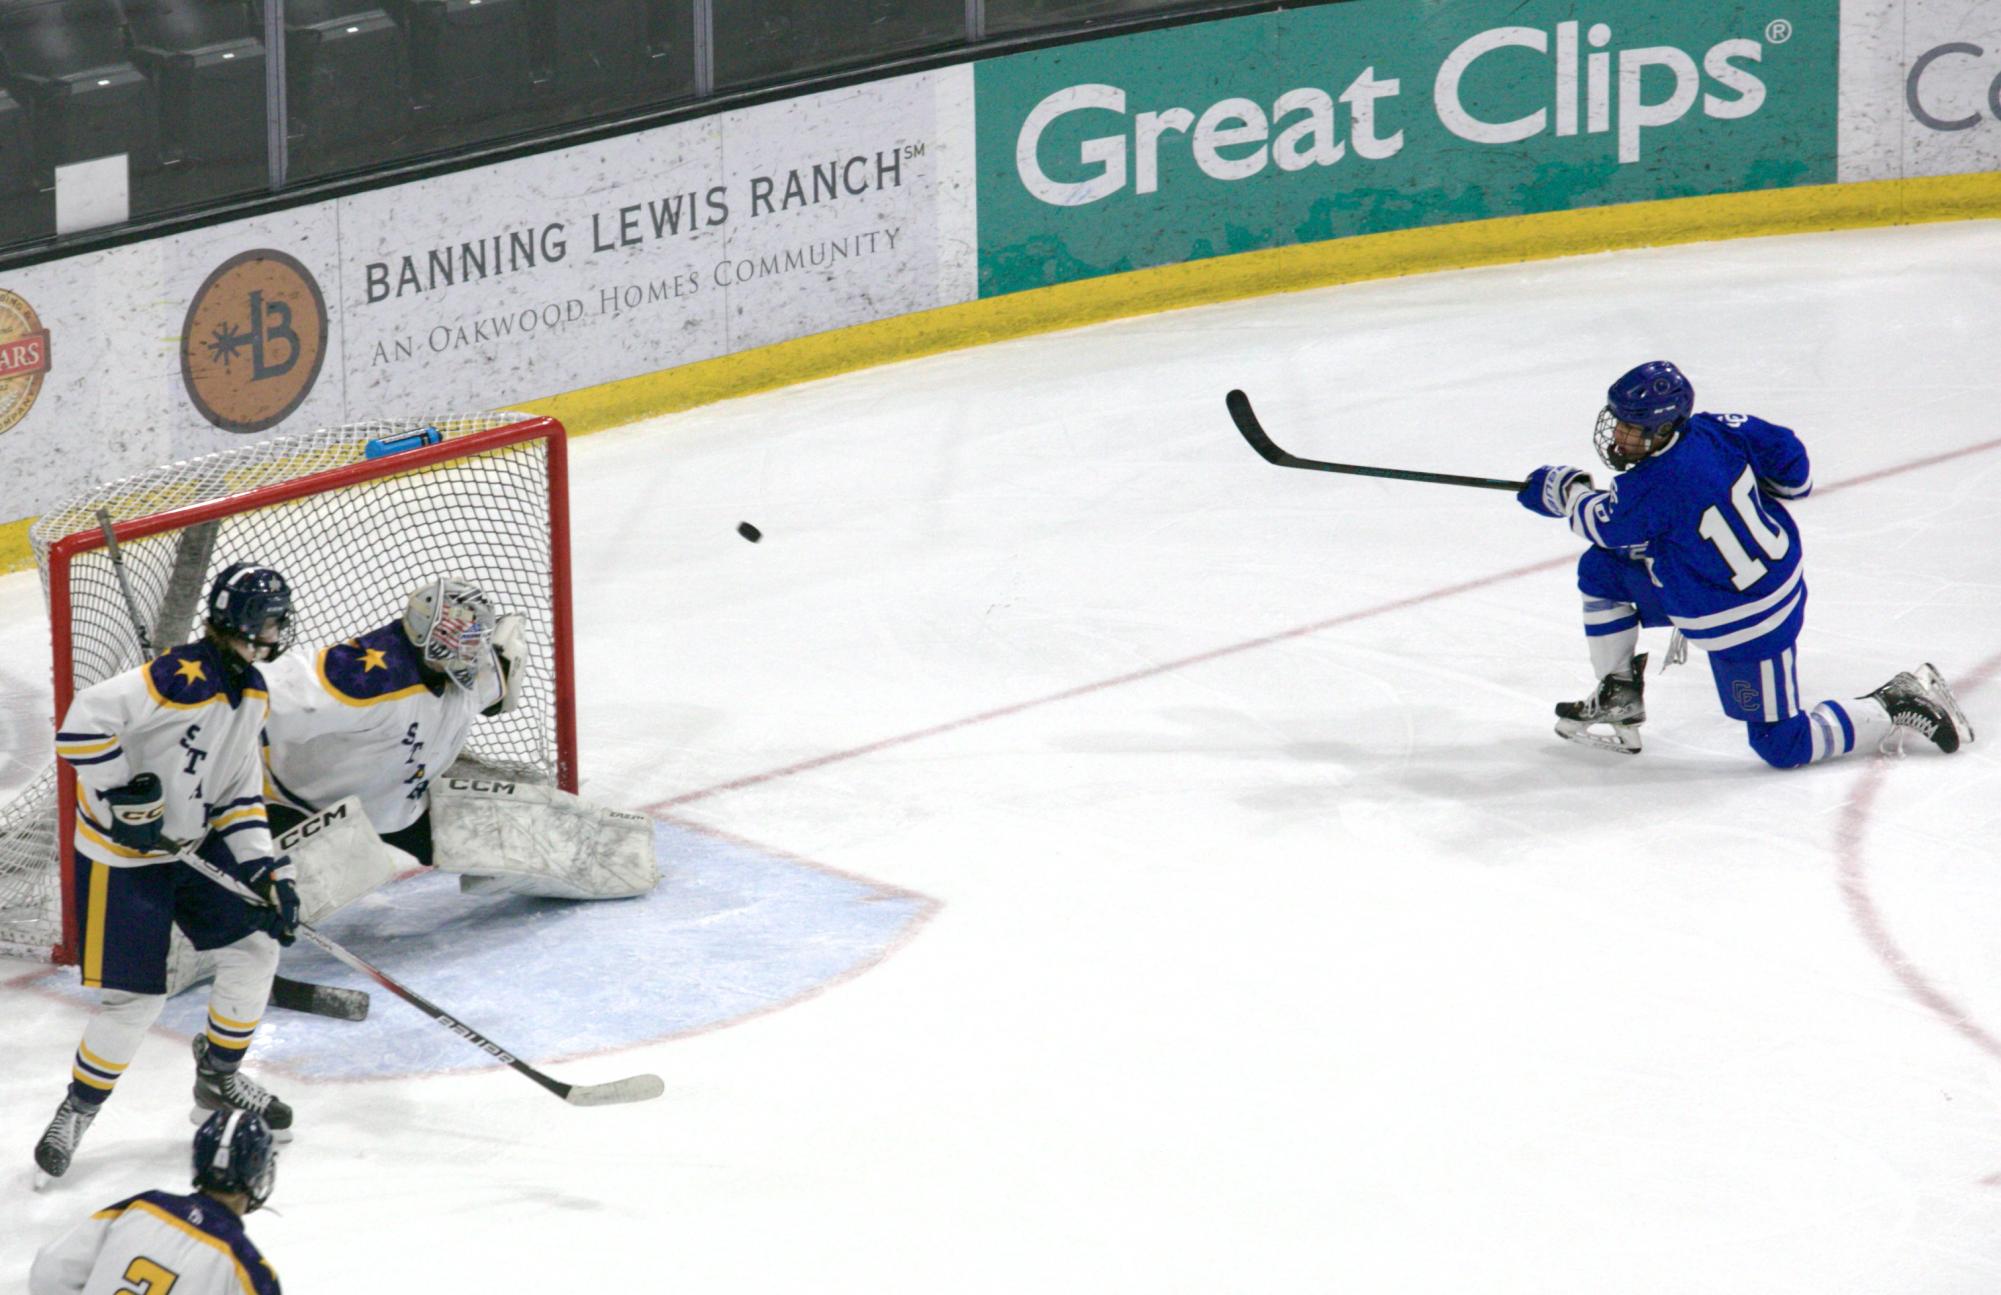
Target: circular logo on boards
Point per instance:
(254, 340)
(24, 358)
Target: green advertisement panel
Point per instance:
(1379, 115)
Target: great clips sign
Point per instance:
(1381, 114)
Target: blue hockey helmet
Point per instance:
(1655, 398)
(252, 603)
(234, 1152)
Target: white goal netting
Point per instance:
(352, 535)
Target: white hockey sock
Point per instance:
(112, 1037)
(1613, 653)
(243, 974)
(1842, 727)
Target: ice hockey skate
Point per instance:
(217, 1090)
(59, 1141)
(1618, 708)
(1920, 701)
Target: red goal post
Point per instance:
(353, 535)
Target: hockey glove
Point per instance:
(274, 880)
(138, 814)
(1549, 490)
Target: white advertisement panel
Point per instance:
(1920, 88)
(154, 351)
(491, 287)
(649, 251)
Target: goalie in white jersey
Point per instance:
(382, 717)
(379, 716)
(160, 1241)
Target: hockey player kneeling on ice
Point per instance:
(1694, 533)
(384, 716)
(193, 1244)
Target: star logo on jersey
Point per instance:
(373, 659)
(190, 671)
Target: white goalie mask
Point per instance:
(450, 622)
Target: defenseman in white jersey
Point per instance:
(193, 1244)
(381, 715)
(166, 757)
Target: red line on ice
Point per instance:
(1850, 837)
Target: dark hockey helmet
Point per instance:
(254, 604)
(234, 1153)
(1655, 398)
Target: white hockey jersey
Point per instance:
(359, 719)
(194, 1245)
(178, 718)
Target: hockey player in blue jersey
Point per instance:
(1693, 532)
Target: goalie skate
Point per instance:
(1920, 701)
(1610, 718)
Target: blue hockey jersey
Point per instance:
(1706, 517)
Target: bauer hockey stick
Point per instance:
(637, 1088)
(292, 995)
(1246, 419)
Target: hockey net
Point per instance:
(353, 536)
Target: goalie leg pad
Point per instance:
(339, 858)
(524, 838)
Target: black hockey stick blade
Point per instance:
(319, 1000)
(1253, 431)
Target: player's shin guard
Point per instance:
(236, 1002)
(1840, 728)
(1611, 632)
(110, 1041)
(243, 973)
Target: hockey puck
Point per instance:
(749, 532)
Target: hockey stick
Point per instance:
(1246, 419)
(292, 995)
(124, 585)
(637, 1088)
(319, 1000)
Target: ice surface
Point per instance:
(1245, 926)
